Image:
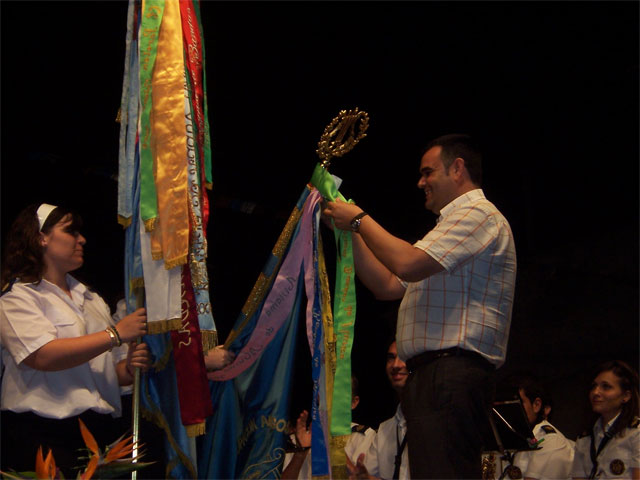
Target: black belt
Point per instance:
(425, 358)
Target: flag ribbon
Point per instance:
(128, 118)
(279, 301)
(151, 19)
(198, 239)
(317, 292)
(194, 64)
(193, 387)
(344, 310)
(170, 234)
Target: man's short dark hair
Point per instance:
(463, 146)
(532, 387)
(355, 386)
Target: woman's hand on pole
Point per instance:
(132, 326)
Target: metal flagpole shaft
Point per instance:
(140, 300)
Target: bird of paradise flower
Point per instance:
(113, 462)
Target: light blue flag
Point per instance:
(247, 434)
(159, 404)
(158, 397)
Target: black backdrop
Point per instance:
(549, 88)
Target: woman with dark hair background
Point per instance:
(64, 357)
(612, 448)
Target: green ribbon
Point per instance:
(148, 43)
(344, 310)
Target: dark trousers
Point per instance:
(23, 433)
(446, 403)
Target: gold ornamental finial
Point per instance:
(339, 137)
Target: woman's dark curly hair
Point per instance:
(23, 253)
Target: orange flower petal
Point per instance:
(50, 465)
(89, 441)
(41, 469)
(119, 450)
(91, 468)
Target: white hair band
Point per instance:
(43, 213)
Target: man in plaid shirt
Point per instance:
(457, 287)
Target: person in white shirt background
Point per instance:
(297, 463)
(611, 448)
(554, 458)
(387, 456)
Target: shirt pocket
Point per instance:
(65, 322)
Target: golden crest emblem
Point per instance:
(340, 136)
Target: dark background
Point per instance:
(550, 89)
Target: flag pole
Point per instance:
(135, 416)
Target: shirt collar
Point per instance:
(598, 430)
(78, 290)
(470, 196)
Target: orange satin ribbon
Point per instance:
(169, 144)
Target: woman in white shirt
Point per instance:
(612, 448)
(63, 356)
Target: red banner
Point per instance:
(193, 386)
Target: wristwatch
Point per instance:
(355, 222)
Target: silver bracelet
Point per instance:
(112, 337)
(115, 331)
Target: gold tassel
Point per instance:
(150, 224)
(209, 340)
(124, 221)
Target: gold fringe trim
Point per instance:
(170, 466)
(209, 340)
(263, 282)
(136, 282)
(176, 262)
(124, 221)
(162, 326)
(150, 224)
(160, 421)
(338, 456)
(161, 363)
(195, 430)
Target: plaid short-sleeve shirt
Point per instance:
(469, 304)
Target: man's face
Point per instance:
(397, 372)
(438, 186)
(531, 409)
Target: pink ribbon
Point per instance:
(280, 299)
